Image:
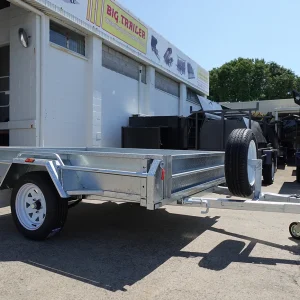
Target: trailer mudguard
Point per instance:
(21, 166)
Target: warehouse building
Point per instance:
(73, 71)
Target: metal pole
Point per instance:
(196, 132)
(296, 137)
(276, 119)
(265, 126)
(250, 116)
(140, 90)
(223, 130)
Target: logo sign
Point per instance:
(119, 23)
(94, 11)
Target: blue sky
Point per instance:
(213, 32)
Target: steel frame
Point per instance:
(267, 202)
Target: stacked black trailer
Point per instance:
(202, 130)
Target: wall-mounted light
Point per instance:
(23, 37)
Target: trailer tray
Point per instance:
(150, 177)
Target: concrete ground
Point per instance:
(111, 251)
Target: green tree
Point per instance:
(245, 79)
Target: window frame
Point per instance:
(72, 31)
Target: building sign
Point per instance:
(123, 26)
(203, 79)
(94, 12)
(113, 20)
(173, 60)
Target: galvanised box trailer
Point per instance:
(45, 182)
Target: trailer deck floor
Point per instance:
(120, 251)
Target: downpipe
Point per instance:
(140, 89)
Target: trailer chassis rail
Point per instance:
(265, 202)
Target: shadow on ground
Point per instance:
(112, 246)
(107, 245)
(290, 188)
(281, 167)
(230, 251)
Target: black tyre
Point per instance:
(36, 207)
(293, 231)
(240, 147)
(268, 173)
(298, 174)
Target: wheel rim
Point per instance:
(294, 230)
(252, 154)
(31, 206)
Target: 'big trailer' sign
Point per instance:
(135, 37)
(123, 26)
(113, 19)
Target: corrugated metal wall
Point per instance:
(123, 64)
(166, 84)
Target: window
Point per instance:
(192, 96)
(67, 38)
(166, 84)
(121, 63)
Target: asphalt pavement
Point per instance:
(123, 251)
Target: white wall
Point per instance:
(119, 102)
(23, 92)
(163, 104)
(22, 137)
(65, 102)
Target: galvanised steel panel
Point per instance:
(186, 163)
(194, 179)
(104, 182)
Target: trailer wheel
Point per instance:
(240, 176)
(268, 173)
(37, 209)
(294, 231)
(298, 174)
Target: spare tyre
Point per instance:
(240, 177)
